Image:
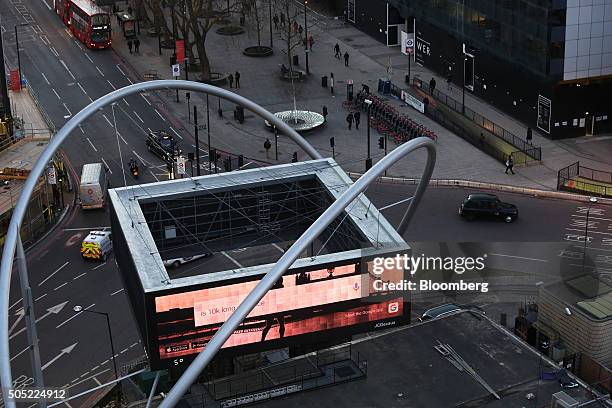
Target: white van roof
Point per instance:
(97, 236)
(91, 173)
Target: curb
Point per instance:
(489, 186)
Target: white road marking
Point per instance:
(99, 266)
(279, 248)
(65, 106)
(124, 141)
(56, 94)
(84, 374)
(45, 40)
(92, 146)
(45, 77)
(153, 174)
(81, 129)
(15, 304)
(106, 164)
(592, 218)
(590, 232)
(232, 259)
(40, 297)
(72, 317)
(66, 66)
(78, 276)
(126, 102)
(101, 73)
(56, 271)
(46, 4)
(84, 91)
(134, 344)
(146, 100)
(117, 291)
(128, 78)
(159, 114)
(20, 353)
(76, 381)
(54, 51)
(111, 84)
(138, 116)
(521, 257)
(119, 68)
(175, 132)
(150, 131)
(96, 380)
(124, 350)
(108, 120)
(88, 57)
(61, 286)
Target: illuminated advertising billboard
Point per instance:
(304, 307)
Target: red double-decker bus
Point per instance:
(87, 21)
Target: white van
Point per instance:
(97, 245)
(93, 186)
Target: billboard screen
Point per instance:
(326, 300)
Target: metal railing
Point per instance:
(584, 180)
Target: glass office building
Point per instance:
(546, 62)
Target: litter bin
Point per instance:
(387, 87)
(381, 85)
(324, 81)
(239, 114)
(296, 60)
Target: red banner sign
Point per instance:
(15, 80)
(180, 51)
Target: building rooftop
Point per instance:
(586, 293)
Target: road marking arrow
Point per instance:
(52, 310)
(67, 350)
(20, 314)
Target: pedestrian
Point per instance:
(325, 113)
(129, 10)
(357, 117)
(301, 30)
(331, 83)
(295, 27)
(337, 50)
(237, 77)
(346, 58)
(275, 20)
(529, 135)
(349, 120)
(509, 164)
(310, 42)
(230, 79)
(137, 45)
(432, 85)
(282, 19)
(449, 80)
(130, 45)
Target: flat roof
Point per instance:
(587, 293)
(126, 202)
(404, 370)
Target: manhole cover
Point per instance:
(344, 371)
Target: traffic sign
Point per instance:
(176, 70)
(180, 165)
(51, 175)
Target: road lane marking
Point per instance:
(92, 146)
(45, 78)
(175, 132)
(101, 73)
(150, 131)
(521, 257)
(128, 78)
(119, 68)
(124, 141)
(15, 304)
(20, 353)
(126, 102)
(85, 92)
(111, 84)
(88, 57)
(124, 350)
(99, 266)
(96, 380)
(56, 94)
(45, 3)
(592, 218)
(81, 129)
(106, 164)
(143, 161)
(138, 116)
(45, 40)
(146, 100)
(72, 317)
(108, 121)
(76, 381)
(78, 276)
(153, 174)
(66, 66)
(160, 115)
(279, 248)
(232, 259)
(61, 286)
(590, 232)
(54, 51)
(40, 297)
(69, 113)
(56, 271)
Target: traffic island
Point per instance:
(300, 120)
(258, 51)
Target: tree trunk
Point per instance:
(200, 40)
(159, 19)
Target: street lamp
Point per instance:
(17, 45)
(368, 102)
(270, 24)
(79, 309)
(592, 201)
(306, 35)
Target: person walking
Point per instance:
(331, 83)
(349, 120)
(529, 135)
(310, 42)
(237, 77)
(230, 79)
(325, 113)
(337, 50)
(130, 45)
(509, 164)
(295, 27)
(137, 45)
(300, 30)
(282, 19)
(346, 58)
(357, 117)
(275, 20)
(432, 85)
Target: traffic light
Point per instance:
(295, 158)
(240, 161)
(332, 142)
(381, 142)
(227, 164)
(212, 153)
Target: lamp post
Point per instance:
(368, 159)
(306, 35)
(17, 45)
(79, 309)
(270, 15)
(592, 201)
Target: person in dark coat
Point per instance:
(300, 30)
(230, 79)
(357, 117)
(275, 20)
(237, 77)
(509, 164)
(282, 19)
(529, 135)
(137, 45)
(337, 50)
(325, 113)
(310, 42)
(130, 45)
(349, 120)
(346, 58)
(432, 85)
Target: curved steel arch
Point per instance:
(10, 243)
(214, 345)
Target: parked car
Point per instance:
(440, 311)
(487, 206)
(176, 262)
(163, 145)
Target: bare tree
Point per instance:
(256, 10)
(289, 35)
(159, 20)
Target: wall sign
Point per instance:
(544, 113)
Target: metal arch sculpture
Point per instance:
(12, 237)
(214, 345)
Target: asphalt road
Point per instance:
(74, 347)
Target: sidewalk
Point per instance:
(260, 82)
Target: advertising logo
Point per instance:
(393, 307)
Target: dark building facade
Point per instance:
(547, 63)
